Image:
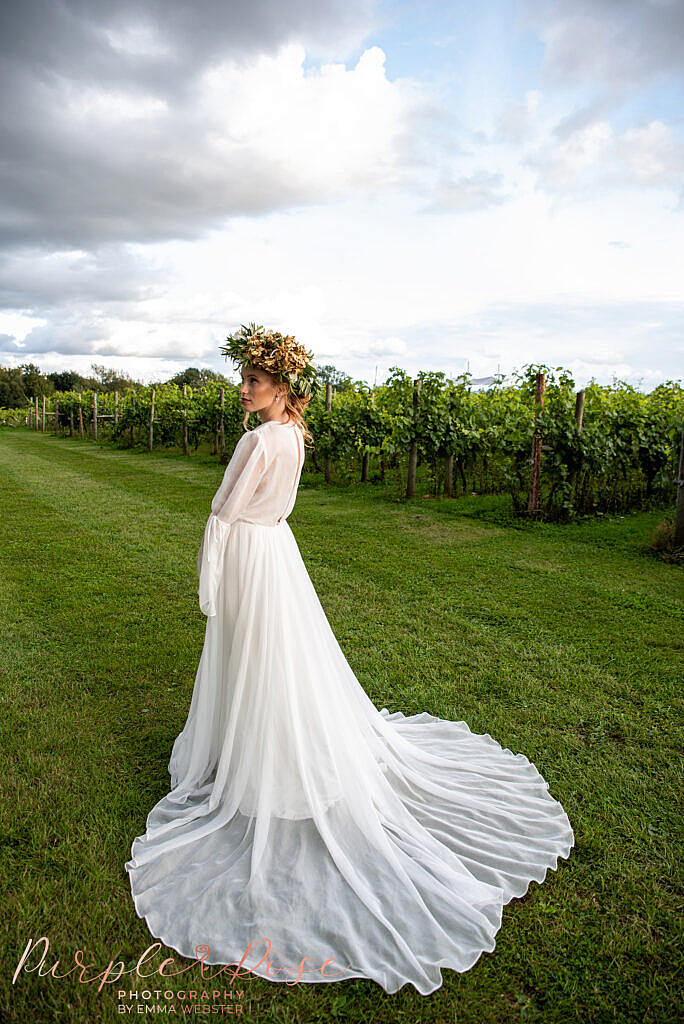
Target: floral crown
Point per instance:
(276, 353)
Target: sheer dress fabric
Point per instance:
(257, 487)
(307, 835)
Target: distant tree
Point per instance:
(12, 394)
(195, 378)
(66, 380)
(112, 380)
(329, 373)
(34, 381)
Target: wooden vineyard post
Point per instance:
(449, 475)
(579, 409)
(42, 419)
(94, 415)
(71, 422)
(679, 515)
(328, 408)
(579, 416)
(382, 455)
(413, 450)
(80, 416)
(535, 471)
(35, 412)
(186, 450)
(222, 428)
(56, 416)
(116, 408)
(150, 441)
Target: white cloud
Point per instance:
(517, 121)
(322, 134)
(619, 44)
(138, 40)
(596, 157)
(391, 346)
(560, 165)
(474, 192)
(653, 153)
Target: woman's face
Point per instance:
(258, 390)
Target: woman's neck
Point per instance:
(275, 420)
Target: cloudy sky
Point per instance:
(434, 186)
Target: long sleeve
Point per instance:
(240, 480)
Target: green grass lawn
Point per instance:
(562, 642)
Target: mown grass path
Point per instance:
(564, 643)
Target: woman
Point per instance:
(308, 836)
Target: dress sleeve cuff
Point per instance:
(210, 562)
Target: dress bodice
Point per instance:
(260, 482)
(259, 486)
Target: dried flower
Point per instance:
(276, 353)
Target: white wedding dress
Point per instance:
(308, 836)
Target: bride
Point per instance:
(306, 835)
